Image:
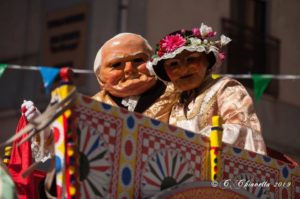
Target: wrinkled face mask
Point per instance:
(123, 70)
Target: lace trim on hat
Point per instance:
(199, 49)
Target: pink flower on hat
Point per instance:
(160, 52)
(212, 34)
(222, 56)
(196, 32)
(171, 43)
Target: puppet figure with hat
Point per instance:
(187, 58)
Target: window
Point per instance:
(251, 51)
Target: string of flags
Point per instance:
(48, 73)
(260, 81)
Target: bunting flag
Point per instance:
(48, 74)
(261, 81)
(2, 69)
(260, 84)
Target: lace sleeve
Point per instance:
(42, 153)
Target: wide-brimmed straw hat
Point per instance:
(195, 40)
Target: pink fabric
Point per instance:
(228, 99)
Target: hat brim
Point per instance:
(159, 70)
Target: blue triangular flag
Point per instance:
(48, 74)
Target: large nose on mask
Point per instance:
(130, 69)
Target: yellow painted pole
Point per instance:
(215, 148)
(67, 149)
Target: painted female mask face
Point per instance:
(187, 70)
(123, 70)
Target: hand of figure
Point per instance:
(29, 110)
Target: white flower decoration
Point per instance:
(204, 30)
(225, 40)
(195, 41)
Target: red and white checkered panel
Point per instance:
(107, 127)
(237, 168)
(153, 140)
(295, 187)
(106, 124)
